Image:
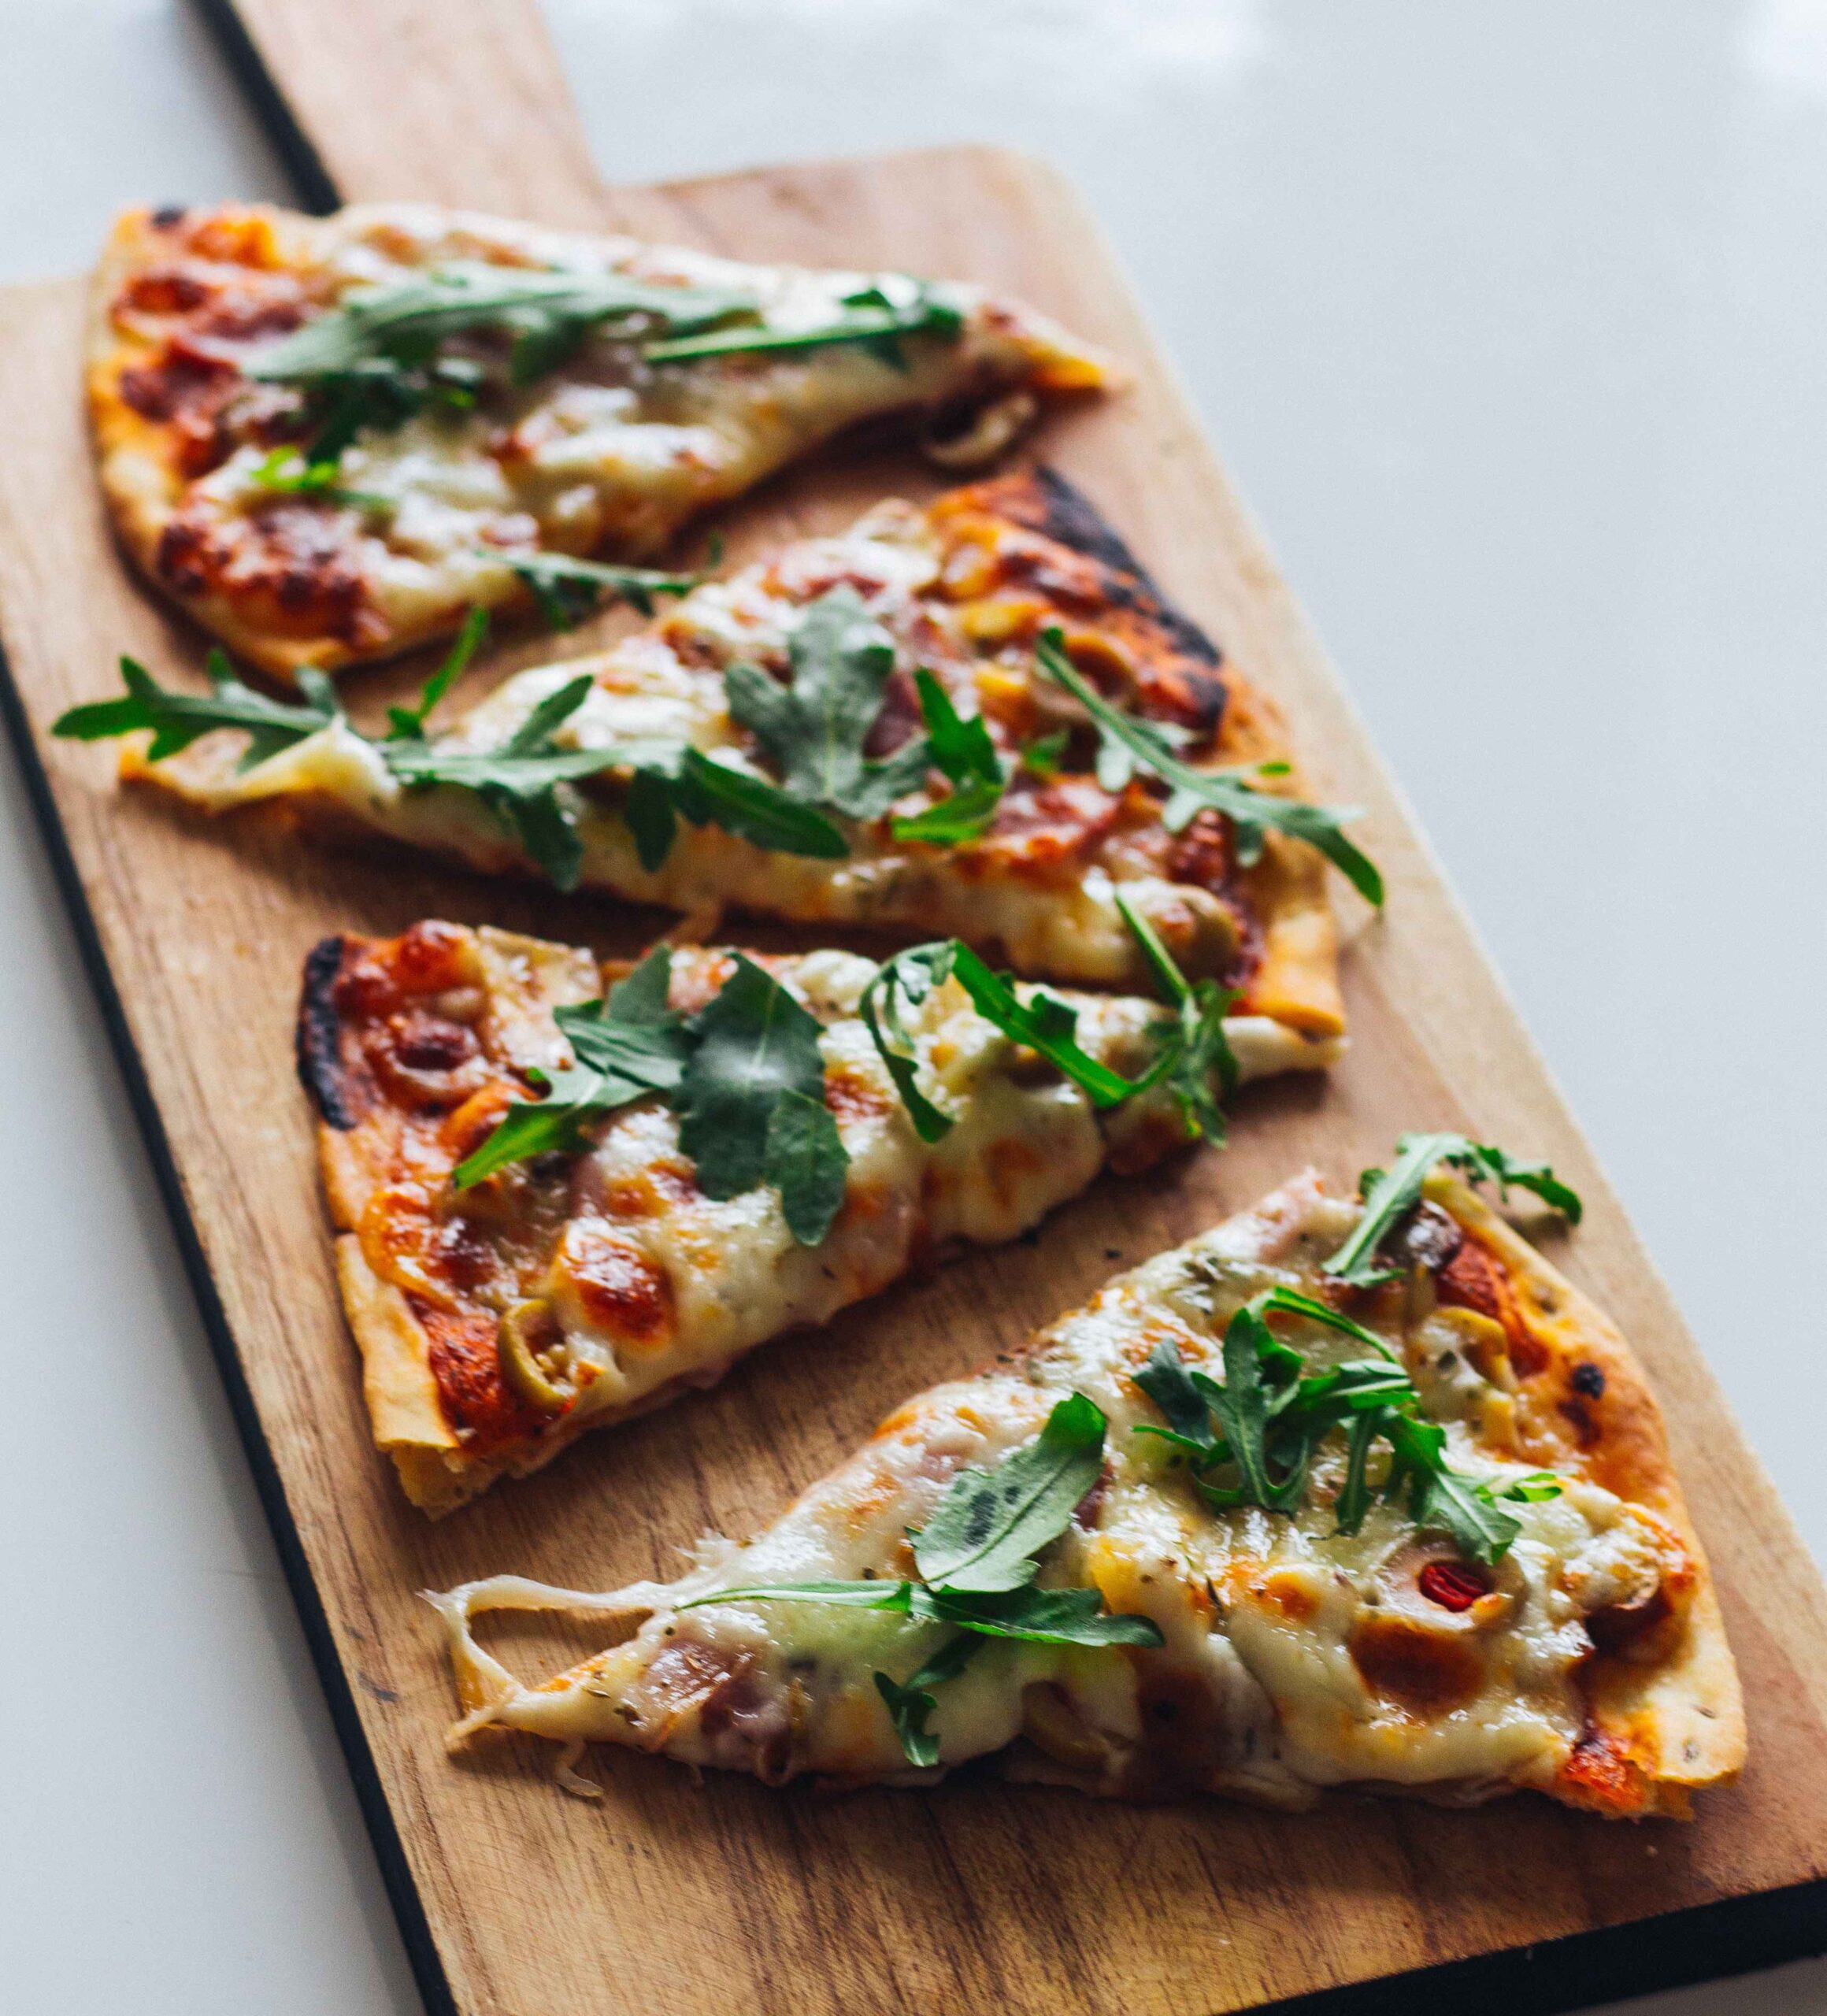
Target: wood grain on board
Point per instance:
(673, 1897)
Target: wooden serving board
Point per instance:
(670, 1898)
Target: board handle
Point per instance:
(455, 102)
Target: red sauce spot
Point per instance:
(465, 1361)
(1451, 1585)
(461, 1253)
(850, 1096)
(1424, 1670)
(1202, 854)
(1041, 826)
(431, 958)
(1473, 1279)
(1599, 1773)
(431, 1042)
(164, 290)
(622, 1292)
(291, 566)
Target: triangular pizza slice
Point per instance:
(1339, 1494)
(564, 1195)
(980, 719)
(328, 437)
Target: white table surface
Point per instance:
(1510, 324)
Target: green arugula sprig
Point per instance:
(1252, 812)
(625, 1047)
(519, 783)
(567, 589)
(177, 720)
(1194, 1053)
(285, 473)
(975, 1560)
(743, 1075)
(1390, 1194)
(1196, 1061)
(1263, 1426)
(813, 730)
(959, 746)
(375, 359)
(874, 319)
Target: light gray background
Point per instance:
(1508, 320)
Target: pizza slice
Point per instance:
(981, 719)
(327, 437)
(558, 1205)
(1339, 1494)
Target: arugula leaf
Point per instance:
(975, 1554)
(960, 748)
(872, 320)
(625, 1047)
(1045, 754)
(177, 720)
(1243, 1408)
(909, 1702)
(1251, 812)
(753, 1046)
(805, 1160)
(518, 782)
(1196, 1055)
(402, 322)
(983, 1531)
(1291, 1302)
(1443, 1501)
(1044, 1023)
(813, 729)
(286, 473)
(1040, 1617)
(1045, 1616)
(908, 977)
(1271, 1417)
(1166, 1381)
(408, 723)
(374, 359)
(854, 1595)
(709, 791)
(1390, 1194)
(1480, 1162)
(568, 589)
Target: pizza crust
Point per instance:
(1679, 1720)
(181, 299)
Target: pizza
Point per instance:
(328, 437)
(556, 1206)
(981, 719)
(1339, 1494)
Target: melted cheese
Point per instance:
(734, 1275)
(664, 687)
(607, 451)
(1294, 1659)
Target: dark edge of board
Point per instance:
(390, 1851)
(272, 112)
(1613, 1962)
(1644, 1956)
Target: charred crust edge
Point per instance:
(319, 1036)
(1068, 516)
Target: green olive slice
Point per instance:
(527, 1329)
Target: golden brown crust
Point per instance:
(155, 395)
(1667, 1715)
(289, 579)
